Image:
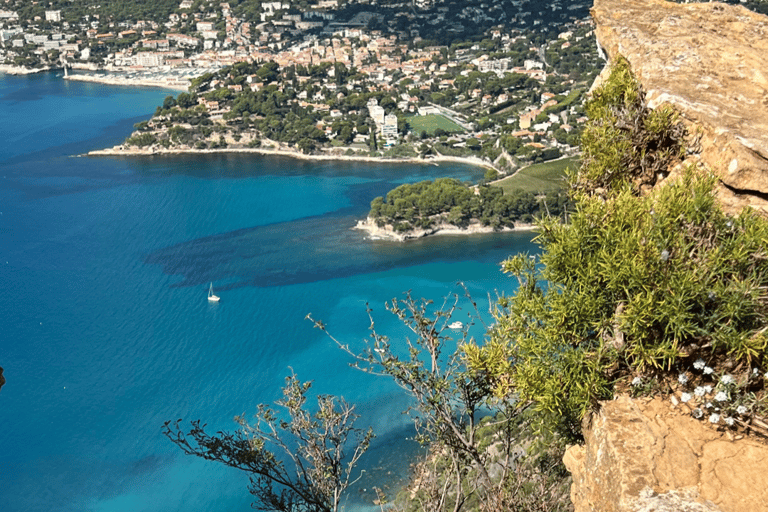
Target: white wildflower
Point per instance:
(766, 375)
(707, 389)
(699, 364)
(714, 418)
(699, 391)
(708, 370)
(721, 397)
(709, 405)
(637, 381)
(685, 397)
(741, 409)
(682, 378)
(755, 371)
(697, 413)
(729, 421)
(726, 379)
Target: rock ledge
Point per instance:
(709, 61)
(643, 455)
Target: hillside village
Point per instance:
(502, 80)
(427, 77)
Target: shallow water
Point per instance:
(106, 331)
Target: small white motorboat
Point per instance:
(211, 296)
(455, 325)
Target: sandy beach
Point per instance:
(164, 83)
(434, 160)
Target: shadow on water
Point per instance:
(310, 250)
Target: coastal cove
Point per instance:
(108, 333)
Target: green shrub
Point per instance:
(625, 143)
(142, 140)
(634, 283)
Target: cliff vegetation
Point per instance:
(640, 284)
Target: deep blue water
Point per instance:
(105, 331)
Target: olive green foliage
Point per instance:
(536, 482)
(420, 205)
(462, 472)
(141, 140)
(625, 143)
(632, 284)
(297, 461)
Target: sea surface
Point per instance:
(105, 330)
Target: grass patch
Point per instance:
(540, 178)
(432, 122)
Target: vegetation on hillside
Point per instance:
(428, 203)
(541, 178)
(636, 284)
(483, 452)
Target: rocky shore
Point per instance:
(388, 233)
(20, 70)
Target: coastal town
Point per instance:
(501, 82)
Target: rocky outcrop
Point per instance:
(644, 455)
(710, 61)
(387, 232)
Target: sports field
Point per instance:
(432, 122)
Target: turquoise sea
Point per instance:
(105, 330)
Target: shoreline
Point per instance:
(21, 70)
(432, 160)
(387, 233)
(130, 82)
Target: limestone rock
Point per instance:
(710, 61)
(642, 456)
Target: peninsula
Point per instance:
(447, 206)
(500, 84)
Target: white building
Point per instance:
(148, 59)
(376, 112)
(54, 16)
(389, 128)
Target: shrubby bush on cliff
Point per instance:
(634, 282)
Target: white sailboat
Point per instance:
(211, 296)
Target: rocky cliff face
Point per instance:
(647, 455)
(710, 61)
